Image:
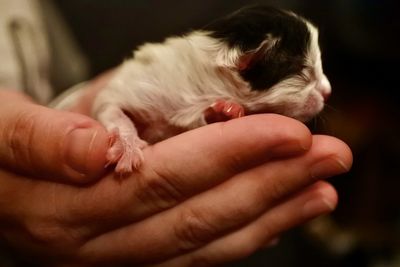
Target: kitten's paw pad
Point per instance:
(223, 110)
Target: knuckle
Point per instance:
(244, 210)
(193, 230)
(45, 233)
(276, 189)
(51, 233)
(53, 226)
(19, 137)
(237, 163)
(162, 191)
(54, 239)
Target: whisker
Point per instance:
(321, 123)
(313, 123)
(316, 122)
(324, 120)
(327, 106)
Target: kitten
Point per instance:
(259, 59)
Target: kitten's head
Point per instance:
(277, 53)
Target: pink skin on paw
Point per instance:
(126, 153)
(115, 150)
(223, 110)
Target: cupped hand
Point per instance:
(205, 197)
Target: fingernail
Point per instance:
(291, 147)
(77, 146)
(316, 207)
(328, 167)
(272, 243)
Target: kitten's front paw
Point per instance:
(223, 110)
(125, 152)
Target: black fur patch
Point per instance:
(247, 28)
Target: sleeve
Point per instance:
(38, 54)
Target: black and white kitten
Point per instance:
(259, 59)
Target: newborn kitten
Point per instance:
(257, 60)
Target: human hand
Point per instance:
(47, 143)
(208, 196)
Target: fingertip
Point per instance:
(97, 153)
(285, 135)
(327, 193)
(346, 154)
(289, 129)
(77, 143)
(322, 199)
(336, 149)
(84, 153)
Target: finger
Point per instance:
(222, 209)
(49, 143)
(185, 165)
(316, 200)
(181, 167)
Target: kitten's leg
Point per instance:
(126, 146)
(223, 110)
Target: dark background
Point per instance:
(360, 46)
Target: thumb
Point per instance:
(47, 143)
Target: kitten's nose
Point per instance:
(324, 87)
(326, 96)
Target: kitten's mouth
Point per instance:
(316, 100)
(313, 105)
(325, 95)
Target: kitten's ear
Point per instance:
(238, 59)
(249, 58)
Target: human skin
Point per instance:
(202, 198)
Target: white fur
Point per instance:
(174, 82)
(167, 87)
